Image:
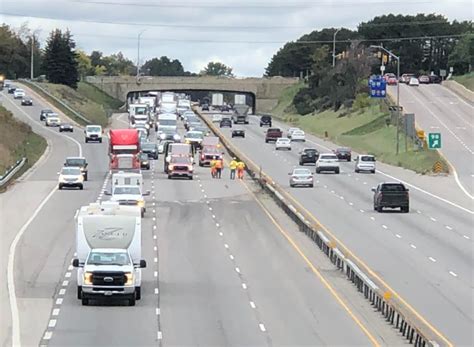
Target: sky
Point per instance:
(243, 34)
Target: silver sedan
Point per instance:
(301, 177)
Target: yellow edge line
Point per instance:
(369, 270)
(315, 271)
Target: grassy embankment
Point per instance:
(363, 128)
(87, 100)
(466, 80)
(17, 140)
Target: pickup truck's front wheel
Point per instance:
(79, 292)
(138, 293)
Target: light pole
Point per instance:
(334, 47)
(398, 94)
(138, 52)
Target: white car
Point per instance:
(129, 195)
(52, 120)
(291, 130)
(19, 94)
(216, 118)
(414, 82)
(93, 133)
(327, 162)
(365, 162)
(283, 143)
(298, 135)
(71, 177)
(301, 177)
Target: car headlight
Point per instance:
(162, 136)
(145, 162)
(141, 203)
(129, 279)
(176, 137)
(88, 278)
(147, 126)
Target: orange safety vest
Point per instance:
(219, 164)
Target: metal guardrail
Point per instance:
(12, 171)
(62, 103)
(393, 311)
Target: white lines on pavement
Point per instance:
(226, 245)
(231, 257)
(398, 235)
(412, 246)
(432, 259)
(155, 260)
(341, 197)
(351, 204)
(448, 227)
(59, 301)
(52, 323)
(157, 291)
(62, 291)
(384, 226)
(433, 219)
(67, 275)
(56, 312)
(207, 202)
(244, 286)
(221, 233)
(157, 311)
(213, 216)
(466, 237)
(154, 227)
(418, 211)
(373, 218)
(155, 248)
(252, 304)
(332, 191)
(452, 273)
(237, 270)
(65, 283)
(365, 182)
(210, 208)
(155, 274)
(362, 211)
(262, 327)
(159, 335)
(47, 335)
(217, 225)
(154, 237)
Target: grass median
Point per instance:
(17, 140)
(365, 128)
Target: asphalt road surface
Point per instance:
(426, 255)
(219, 271)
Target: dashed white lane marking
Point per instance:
(156, 291)
(55, 312)
(332, 191)
(466, 237)
(48, 335)
(221, 234)
(62, 291)
(65, 283)
(244, 286)
(231, 257)
(452, 273)
(237, 270)
(213, 216)
(226, 245)
(205, 196)
(155, 260)
(341, 197)
(52, 323)
(362, 211)
(365, 182)
(252, 304)
(155, 274)
(59, 301)
(154, 219)
(433, 219)
(207, 202)
(155, 248)
(351, 204)
(412, 246)
(67, 275)
(70, 268)
(154, 237)
(210, 208)
(373, 218)
(157, 311)
(432, 259)
(262, 327)
(217, 225)
(448, 227)
(154, 226)
(384, 226)
(159, 335)
(399, 236)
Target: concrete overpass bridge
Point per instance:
(264, 91)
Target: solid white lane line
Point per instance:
(452, 273)
(412, 246)
(262, 327)
(56, 312)
(252, 304)
(432, 259)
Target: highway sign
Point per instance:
(377, 86)
(434, 140)
(442, 73)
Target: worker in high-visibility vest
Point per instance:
(219, 166)
(213, 167)
(240, 169)
(233, 167)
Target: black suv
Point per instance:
(79, 162)
(151, 149)
(11, 89)
(266, 120)
(225, 122)
(309, 156)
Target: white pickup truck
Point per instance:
(109, 251)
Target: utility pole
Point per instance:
(334, 47)
(32, 74)
(398, 96)
(138, 53)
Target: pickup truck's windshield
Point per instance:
(75, 162)
(127, 190)
(167, 122)
(102, 258)
(93, 129)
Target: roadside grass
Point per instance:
(365, 129)
(466, 80)
(87, 100)
(18, 140)
(284, 106)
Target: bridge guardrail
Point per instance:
(59, 101)
(395, 312)
(7, 176)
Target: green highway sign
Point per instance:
(434, 140)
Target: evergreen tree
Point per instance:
(60, 61)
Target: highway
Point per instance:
(221, 267)
(439, 110)
(425, 256)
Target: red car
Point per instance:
(181, 166)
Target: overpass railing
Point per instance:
(396, 312)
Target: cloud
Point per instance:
(243, 34)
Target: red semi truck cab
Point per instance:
(124, 149)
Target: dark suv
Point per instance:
(79, 162)
(225, 122)
(309, 156)
(343, 153)
(151, 149)
(266, 120)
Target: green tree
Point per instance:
(462, 56)
(117, 64)
(84, 65)
(14, 54)
(96, 58)
(60, 61)
(164, 67)
(214, 68)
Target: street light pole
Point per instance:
(334, 47)
(138, 53)
(397, 58)
(32, 75)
